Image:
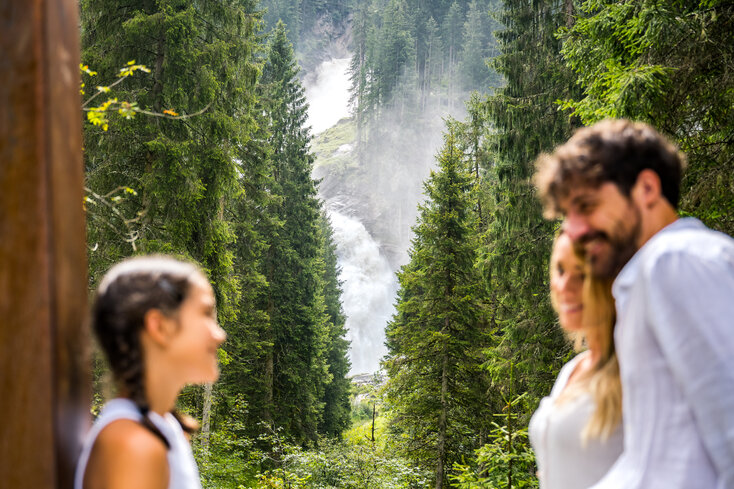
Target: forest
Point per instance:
(196, 144)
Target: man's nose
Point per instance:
(575, 227)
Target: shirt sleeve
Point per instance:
(691, 313)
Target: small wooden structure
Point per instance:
(44, 369)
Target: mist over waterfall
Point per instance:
(327, 92)
(368, 281)
(371, 189)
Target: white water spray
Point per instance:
(327, 92)
(369, 288)
(368, 282)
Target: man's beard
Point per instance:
(622, 247)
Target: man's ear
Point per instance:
(157, 326)
(647, 190)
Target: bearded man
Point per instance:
(617, 185)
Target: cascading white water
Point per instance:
(327, 92)
(369, 288)
(368, 281)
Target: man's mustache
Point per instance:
(579, 244)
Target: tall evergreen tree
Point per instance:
(433, 70)
(472, 58)
(453, 35)
(396, 62)
(523, 120)
(184, 172)
(296, 369)
(433, 340)
(337, 409)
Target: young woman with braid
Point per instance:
(576, 431)
(155, 319)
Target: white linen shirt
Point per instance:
(675, 344)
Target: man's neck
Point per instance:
(655, 220)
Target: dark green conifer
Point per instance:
(434, 339)
(524, 120)
(298, 333)
(337, 409)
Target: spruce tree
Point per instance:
(453, 35)
(434, 339)
(337, 409)
(296, 368)
(472, 58)
(523, 120)
(182, 174)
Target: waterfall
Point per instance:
(327, 92)
(369, 285)
(369, 288)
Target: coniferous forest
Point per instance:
(196, 144)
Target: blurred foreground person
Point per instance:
(155, 319)
(617, 185)
(576, 431)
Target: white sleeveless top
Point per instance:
(564, 460)
(181, 464)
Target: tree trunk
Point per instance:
(206, 415)
(269, 375)
(269, 368)
(569, 13)
(374, 411)
(440, 469)
(44, 335)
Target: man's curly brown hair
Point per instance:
(613, 151)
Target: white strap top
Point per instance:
(182, 467)
(564, 460)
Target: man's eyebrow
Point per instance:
(584, 197)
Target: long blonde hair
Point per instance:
(602, 381)
(599, 316)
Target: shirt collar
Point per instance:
(628, 274)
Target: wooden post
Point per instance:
(44, 372)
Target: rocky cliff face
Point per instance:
(326, 40)
(381, 191)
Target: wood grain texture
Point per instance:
(44, 379)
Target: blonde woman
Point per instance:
(576, 431)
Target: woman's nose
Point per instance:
(219, 334)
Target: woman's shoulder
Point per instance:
(130, 435)
(565, 373)
(127, 454)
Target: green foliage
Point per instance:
(184, 172)
(506, 462)
(337, 410)
(299, 355)
(339, 465)
(669, 64)
(435, 390)
(229, 186)
(231, 460)
(518, 122)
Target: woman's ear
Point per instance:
(158, 327)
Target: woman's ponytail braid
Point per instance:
(126, 294)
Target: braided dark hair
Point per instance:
(127, 292)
